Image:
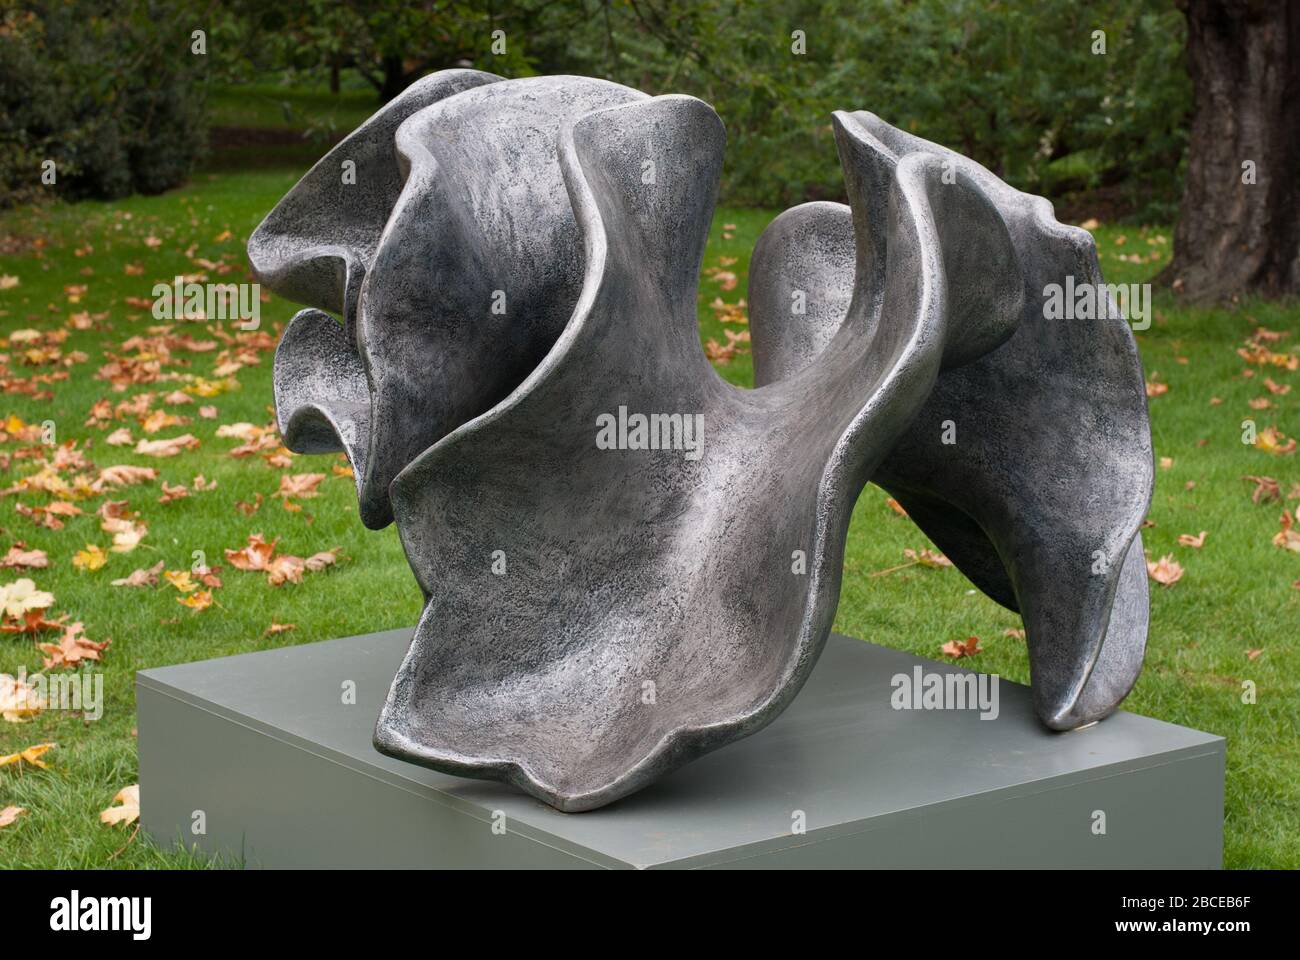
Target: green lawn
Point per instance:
(1235, 596)
(273, 106)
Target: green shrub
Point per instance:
(111, 92)
(1014, 84)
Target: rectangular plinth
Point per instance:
(282, 769)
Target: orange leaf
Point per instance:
(962, 648)
(71, 649)
(197, 601)
(1166, 571)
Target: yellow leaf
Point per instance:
(91, 558)
(197, 601)
(180, 579)
(127, 809)
(1271, 440)
(31, 755)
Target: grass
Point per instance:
(273, 106)
(1236, 594)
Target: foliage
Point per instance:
(112, 94)
(391, 43)
(1014, 84)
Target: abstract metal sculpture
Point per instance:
(603, 529)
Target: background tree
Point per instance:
(1239, 222)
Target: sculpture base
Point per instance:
(283, 770)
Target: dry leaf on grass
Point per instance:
(1166, 571)
(72, 649)
(1266, 488)
(19, 700)
(246, 432)
(158, 420)
(924, 557)
(126, 809)
(33, 621)
(1288, 538)
(170, 492)
(927, 557)
(258, 555)
(49, 516)
(962, 648)
(167, 448)
(21, 596)
(181, 580)
(144, 577)
(31, 756)
(127, 534)
(1196, 542)
(300, 485)
(20, 558)
(1272, 441)
(122, 475)
(197, 601)
(89, 559)
(9, 814)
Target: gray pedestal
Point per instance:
(285, 776)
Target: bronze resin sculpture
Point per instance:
(603, 529)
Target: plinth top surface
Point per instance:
(840, 759)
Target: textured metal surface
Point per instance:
(596, 617)
(1040, 498)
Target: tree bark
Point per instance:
(395, 78)
(1233, 236)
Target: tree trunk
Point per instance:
(1238, 226)
(395, 77)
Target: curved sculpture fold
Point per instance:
(316, 245)
(607, 534)
(1041, 493)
